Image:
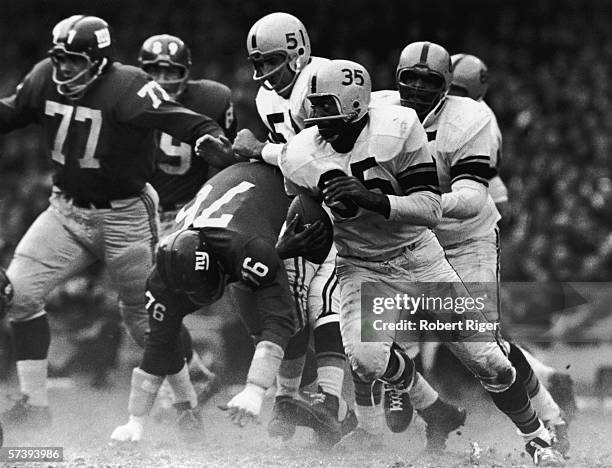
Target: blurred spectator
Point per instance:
(550, 61)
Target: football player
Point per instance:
(99, 117)
(179, 172)
(470, 79)
(222, 236)
(382, 214)
(459, 134)
(279, 49)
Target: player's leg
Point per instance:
(484, 357)
(49, 252)
(163, 358)
(371, 360)
(477, 263)
(324, 317)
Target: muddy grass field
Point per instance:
(84, 419)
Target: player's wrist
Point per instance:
(377, 202)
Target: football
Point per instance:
(311, 211)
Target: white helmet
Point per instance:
(421, 60)
(348, 84)
(279, 33)
(470, 74)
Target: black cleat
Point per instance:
(283, 421)
(322, 417)
(543, 454)
(26, 415)
(441, 418)
(398, 407)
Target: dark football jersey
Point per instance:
(179, 175)
(240, 211)
(102, 144)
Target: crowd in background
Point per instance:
(550, 66)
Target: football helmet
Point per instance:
(186, 264)
(345, 84)
(6, 292)
(164, 50)
(278, 34)
(423, 76)
(88, 37)
(470, 75)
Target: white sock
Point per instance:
(33, 381)
(182, 387)
(290, 376)
(370, 418)
(541, 370)
(546, 407)
(331, 378)
(540, 432)
(422, 395)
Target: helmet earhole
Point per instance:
(356, 104)
(301, 51)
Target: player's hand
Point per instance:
(346, 187)
(245, 407)
(216, 151)
(293, 244)
(247, 146)
(130, 432)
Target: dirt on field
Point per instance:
(83, 420)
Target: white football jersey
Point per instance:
(390, 155)
(459, 134)
(284, 118)
(497, 188)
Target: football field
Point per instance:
(84, 419)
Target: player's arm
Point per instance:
(16, 110)
(470, 173)
(276, 316)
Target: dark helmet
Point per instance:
(164, 50)
(88, 37)
(186, 264)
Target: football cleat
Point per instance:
(398, 407)
(441, 418)
(189, 421)
(283, 421)
(560, 438)
(26, 415)
(561, 388)
(129, 432)
(322, 417)
(543, 454)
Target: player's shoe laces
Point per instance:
(560, 438)
(561, 388)
(26, 415)
(441, 418)
(543, 454)
(189, 421)
(398, 407)
(283, 421)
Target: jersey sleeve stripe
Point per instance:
(474, 167)
(480, 180)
